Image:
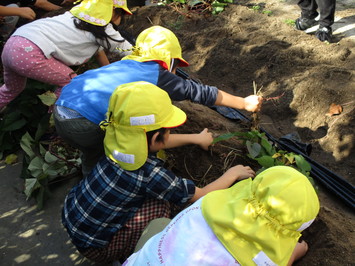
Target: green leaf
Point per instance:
(48, 98)
(42, 126)
(26, 144)
(267, 146)
(253, 149)
(266, 161)
(11, 159)
(50, 158)
(31, 184)
(290, 157)
(227, 136)
(36, 167)
(302, 164)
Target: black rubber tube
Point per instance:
(333, 182)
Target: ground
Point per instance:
(233, 50)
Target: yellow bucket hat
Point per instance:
(96, 12)
(157, 44)
(134, 109)
(121, 4)
(260, 221)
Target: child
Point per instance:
(84, 101)
(255, 222)
(44, 49)
(107, 211)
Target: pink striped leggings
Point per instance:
(23, 59)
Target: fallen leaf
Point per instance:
(11, 159)
(334, 109)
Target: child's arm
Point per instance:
(101, 58)
(203, 139)
(299, 251)
(238, 172)
(251, 103)
(45, 5)
(24, 12)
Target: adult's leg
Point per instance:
(308, 8)
(123, 243)
(83, 135)
(308, 14)
(327, 12)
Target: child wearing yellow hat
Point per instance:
(84, 101)
(107, 211)
(255, 222)
(45, 49)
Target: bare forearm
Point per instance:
(226, 99)
(177, 140)
(233, 174)
(101, 58)
(45, 5)
(9, 11)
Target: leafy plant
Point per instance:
(213, 6)
(44, 161)
(25, 113)
(290, 22)
(261, 150)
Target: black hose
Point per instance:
(333, 182)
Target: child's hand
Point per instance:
(299, 251)
(253, 103)
(205, 139)
(241, 172)
(28, 13)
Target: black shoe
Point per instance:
(324, 34)
(305, 23)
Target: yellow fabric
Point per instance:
(121, 4)
(157, 44)
(134, 109)
(265, 214)
(96, 12)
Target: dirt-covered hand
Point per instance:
(241, 172)
(205, 139)
(28, 13)
(253, 103)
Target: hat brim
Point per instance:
(127, 10)
(183, 63)
(177, 118)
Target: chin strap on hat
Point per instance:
(105, 123)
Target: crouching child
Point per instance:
(107, 211)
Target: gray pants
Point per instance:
(83, 135)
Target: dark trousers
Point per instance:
(326, 9)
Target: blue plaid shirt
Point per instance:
(96, 208)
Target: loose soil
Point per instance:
(241, 46)
(231, 51)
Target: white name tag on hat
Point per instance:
(123, 157)
(142, 120)
(261, 259)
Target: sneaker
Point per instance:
(324, 34)
(304, 23)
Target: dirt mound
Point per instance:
(299, 77)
